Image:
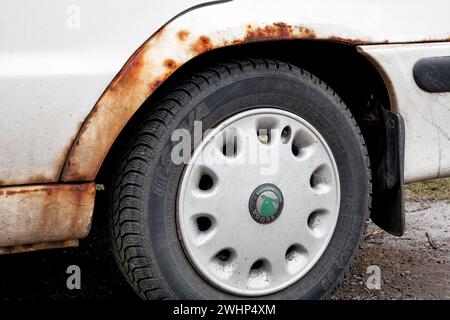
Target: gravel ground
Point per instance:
(415, 266)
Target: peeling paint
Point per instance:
(45, 214)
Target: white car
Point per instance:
(243, 144)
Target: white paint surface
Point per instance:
(426, 115)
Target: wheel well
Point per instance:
(349, 73)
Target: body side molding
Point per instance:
(433, 74)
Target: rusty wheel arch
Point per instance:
(339, 64)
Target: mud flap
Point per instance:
(388, 210)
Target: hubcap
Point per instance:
(258, 202)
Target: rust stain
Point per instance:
(47, 189)
(39, 246)
(183, 35)
(203, 44)
(158, 81)
(307, 33)
(345, 40)
(45, 214)
(170, 64)
(354, 41)
(35, 179)
(275, 31)
(158, 34)
(127, 76)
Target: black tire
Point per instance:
(144, 188)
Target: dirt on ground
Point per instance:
(416, 266)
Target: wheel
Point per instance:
(248, 180)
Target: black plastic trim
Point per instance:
(389, 211)
(433, 74)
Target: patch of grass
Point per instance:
(429, 191)
(100, 187)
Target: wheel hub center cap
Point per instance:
(266, 203)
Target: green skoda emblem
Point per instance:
(266, 203)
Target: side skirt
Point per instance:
(44, 216)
